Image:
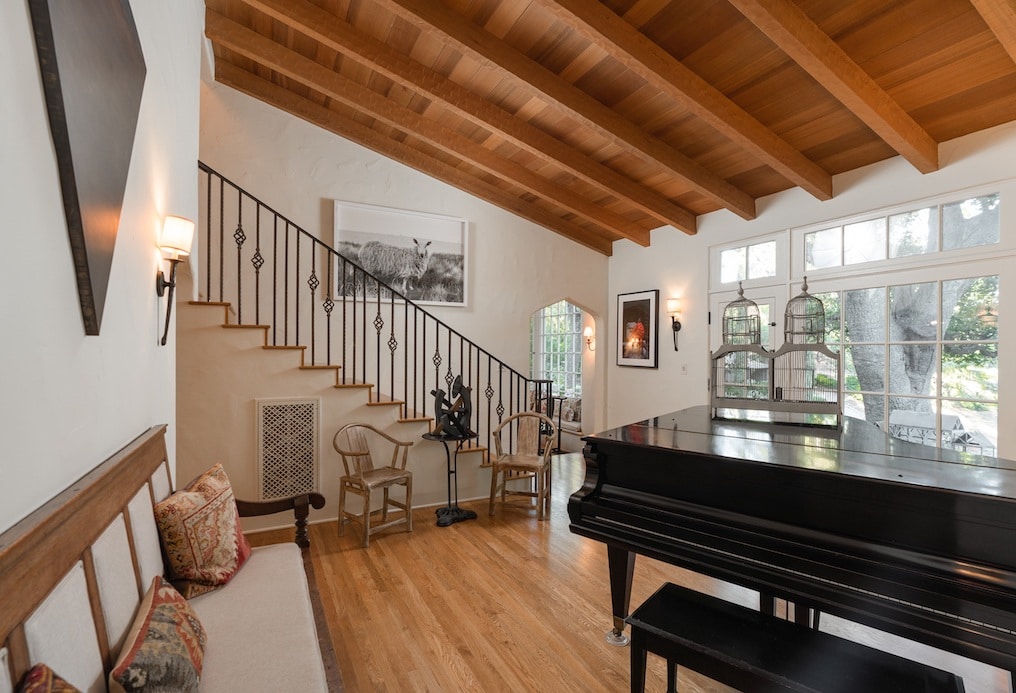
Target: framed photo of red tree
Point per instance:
(638, 328)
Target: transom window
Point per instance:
(753, 261)
(963, 224)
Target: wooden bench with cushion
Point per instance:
(753, 651)
(82, 591)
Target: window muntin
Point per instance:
(753, 261)
(966, 223)
(918, 375)
(557, 347)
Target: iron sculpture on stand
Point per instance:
(452, 427)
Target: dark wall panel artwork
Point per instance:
(93, 74)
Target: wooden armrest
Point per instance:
(298, 504)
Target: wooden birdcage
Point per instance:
(741, 375)
(799, 383)
(806, 373)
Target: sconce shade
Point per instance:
(673, 306)
(177, 236)
(588, 332)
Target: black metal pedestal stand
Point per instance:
(451, 513)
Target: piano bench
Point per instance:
(753, 651)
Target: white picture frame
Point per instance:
(401, 237)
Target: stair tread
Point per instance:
(320, 367)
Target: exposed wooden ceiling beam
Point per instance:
(340, 36)
(263, 90)
(1000, 16)
(626, 44)
(254, 46)
(807, 45)
(584, 108)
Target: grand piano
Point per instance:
(908, 539)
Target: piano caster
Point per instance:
(616, 635)
(617, 639)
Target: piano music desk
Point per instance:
(753, 651)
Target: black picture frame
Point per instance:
(638, 327)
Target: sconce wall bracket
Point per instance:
(676, 324)
(161, 284)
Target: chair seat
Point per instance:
(526, 462)
(377, 478)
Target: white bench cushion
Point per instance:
(61, 633)
(147, 545)
(263, 615)
(118, 586)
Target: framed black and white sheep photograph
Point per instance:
(420, 256)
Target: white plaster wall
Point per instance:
(677, 264)
(70, 400)
(515, 267)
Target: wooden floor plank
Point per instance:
(502, 603)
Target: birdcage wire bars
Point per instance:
(804, 319)
(799, 383)
(742, 323)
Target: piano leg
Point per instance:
(621, 566)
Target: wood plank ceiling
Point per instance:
(601, 121)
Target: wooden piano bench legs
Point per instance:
(753, 651)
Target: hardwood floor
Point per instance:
(505, 603)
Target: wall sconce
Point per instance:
(674, 309)
(177, 236)
(588, 334)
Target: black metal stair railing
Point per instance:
(274, 273)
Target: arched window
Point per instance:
(556, 347)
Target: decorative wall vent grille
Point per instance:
(287, 446)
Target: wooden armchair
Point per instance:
(352, 442)
(527, 462)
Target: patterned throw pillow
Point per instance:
(165, 648)
(41, 679)
(201, 535)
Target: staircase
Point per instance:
(280, 315)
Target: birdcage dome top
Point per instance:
(742, 323)
(804, 318)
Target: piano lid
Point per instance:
(858, 448)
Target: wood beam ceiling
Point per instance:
(468, 37)
(1000, 16)
(602, 121)
(264, 90)
(797, 36)
(291, 65)
(657, 67)
(342, 37)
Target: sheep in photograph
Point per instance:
(394, 265)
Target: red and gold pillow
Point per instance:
(164, 650)
(41, 679)
(201, 535)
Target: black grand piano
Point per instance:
(909, 539)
